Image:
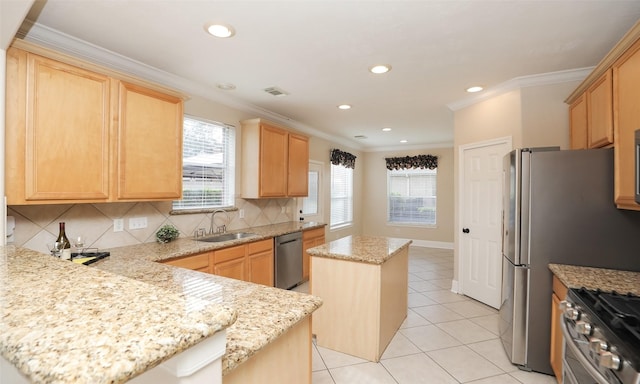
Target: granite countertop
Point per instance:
(185, 246)
(366, 249)
(126, 313)
(57, 316)
(574, 276)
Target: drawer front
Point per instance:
(228, 254)
(313, 233)
(191, 262)
(260, 246)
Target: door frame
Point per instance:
(456, 284)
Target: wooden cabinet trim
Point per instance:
(195, 262)
(578, 123)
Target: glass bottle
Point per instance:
(66, 245)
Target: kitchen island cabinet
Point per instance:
(81, 133)
(363, 283)
(310, 238)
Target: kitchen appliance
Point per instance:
(288, 260)
(558, 208)
(602, 337)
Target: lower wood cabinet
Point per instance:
(310, 238)
(252, 262)
(557, 340)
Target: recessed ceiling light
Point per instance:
(378, 69)
(220, 30)
(386, 129)
(344, 106)
(403, 141)
(476, 88)
(226, 86)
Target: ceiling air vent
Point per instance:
(275, 91)
(362, 137)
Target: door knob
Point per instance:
(465, 230)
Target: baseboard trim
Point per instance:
(454, 286)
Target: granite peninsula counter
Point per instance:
(363, 283)
(128, 313)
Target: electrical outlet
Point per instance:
(118, 225)
(283, 209)
(241, 213)
(137, 223)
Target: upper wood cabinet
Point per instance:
(600, 112)
(626, 95)
(76, 133)
(578, 123)
(275, 162)
(591, 115)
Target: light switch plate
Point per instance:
(118, 225)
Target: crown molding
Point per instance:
(61, 42)
(558, 77)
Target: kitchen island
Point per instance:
(124, 315)
(363, 283)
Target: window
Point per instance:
(310, 203)
(341, 196)
(208, 169)
(412, 196)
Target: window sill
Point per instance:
(176, 212)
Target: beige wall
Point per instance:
(374, 199)
(532, 116)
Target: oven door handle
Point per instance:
(570, 343)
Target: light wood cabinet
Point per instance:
(260, 263)
(196, 262)
(599, 98)
(251, 262)
(578, 123)
(275, 162)
(557, 340)
(77, 133)
(626, 93)
(310, 238)
(591, 115)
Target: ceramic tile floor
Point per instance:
(446, 338)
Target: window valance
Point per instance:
(345, 159)
(409, 162)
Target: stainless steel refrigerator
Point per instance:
(558, 208)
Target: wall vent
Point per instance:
(360, 136)
(275, 91)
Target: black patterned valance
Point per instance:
(345, 159)
(409, 162)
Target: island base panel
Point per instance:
(286, 360)
(363, 304)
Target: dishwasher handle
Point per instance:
(288, 238)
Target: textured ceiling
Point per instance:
(319, 52)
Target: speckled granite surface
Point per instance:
(56, 316)
(367, 249)
(126, 314)
(597, 278)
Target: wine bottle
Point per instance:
(66, 245)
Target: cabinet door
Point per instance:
(235, 269)
(298, 178)
(310, 238)
(273, 161)
(600, 112)
(149, 146)
(555, 355)
(59, 137)
(260, 262)
(626, 93)
(578, 123)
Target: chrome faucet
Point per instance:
(222, 228)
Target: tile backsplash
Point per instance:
(37, 225)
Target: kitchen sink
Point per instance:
(225, 237)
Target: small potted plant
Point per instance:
(167, 233)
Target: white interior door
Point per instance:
(481, 221)
(311, 206)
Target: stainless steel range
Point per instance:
(602, 337)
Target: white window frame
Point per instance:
(208, 163)
(412, 194)
(341, 190)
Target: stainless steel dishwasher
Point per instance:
(288, 260)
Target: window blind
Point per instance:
(341, 196)
(412, 196)
(208, 168)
